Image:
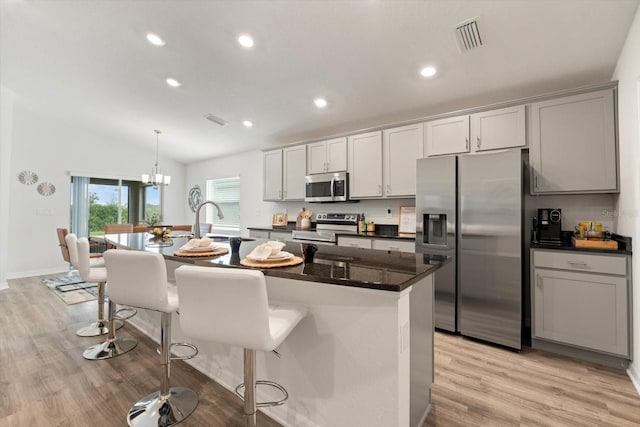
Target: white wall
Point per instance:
(51, 148)
(628, 73)
(6, 127)
(248, 166)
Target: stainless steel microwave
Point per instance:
(327, 187)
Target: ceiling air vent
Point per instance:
(215, 119)
(468, 35)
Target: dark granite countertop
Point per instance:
(624, 246)
(334, 265)
(382, 231)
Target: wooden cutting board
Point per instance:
(594, 244)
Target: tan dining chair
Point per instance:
(140, 228)
(186, 227)
(118, 228)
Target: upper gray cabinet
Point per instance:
(401, 147)
(293, 172)
(446, 136)
(272, 175)
(487, 130)
(573, 144)
(327, 156)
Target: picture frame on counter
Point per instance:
(407, 221)
(279, 220)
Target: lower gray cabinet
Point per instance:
(581, 300)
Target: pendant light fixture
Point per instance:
(156, 178)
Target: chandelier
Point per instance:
(156, 178)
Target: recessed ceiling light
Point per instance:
(245, 40)
(173, 82)
(155, 39)
(428, 72)
(320, 102)
(247, 123)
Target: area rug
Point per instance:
(71, 289)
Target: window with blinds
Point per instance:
(226, 193)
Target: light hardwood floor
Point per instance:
(45, 381)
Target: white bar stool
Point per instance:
(99, 327)
(233, 302)
(113, 346)
(139, 279)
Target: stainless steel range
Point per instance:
(328, 226)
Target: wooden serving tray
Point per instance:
(212, 252)
(295, 260)
(594, 244)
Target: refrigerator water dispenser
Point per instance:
(435, 226)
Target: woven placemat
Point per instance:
(212, 252)
(295, 260)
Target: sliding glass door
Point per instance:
(100, 201)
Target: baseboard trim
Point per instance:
(634, 375)
(41, 272)
(3, 286)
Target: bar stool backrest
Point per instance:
(224, 305)
(138, 279)
(83, 258)
(72, 246)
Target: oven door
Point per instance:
(327, 187)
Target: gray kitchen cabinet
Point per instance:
(394, 245)
(280, 236)
(259, 234)
(498, 129)
(327, 156)
(581, 300)
(573, 144)
(402, 146)
(486, 130)
(272, 175)
(446, 136)
(354, 242)
(365, 165)
(293, 172)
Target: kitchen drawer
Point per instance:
(354, 242)
(259, 234)
(576, 261)
(394, 245)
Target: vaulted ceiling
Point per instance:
(89, 62)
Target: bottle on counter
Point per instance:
(362, 224)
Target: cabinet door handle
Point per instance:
(388, 189)
(536, 183)
(538, 281)
(394, 248)
(284, 194)
(466, 143)
(326, 166)
(353, 245)
(380, 190)
(578, 264)
(478, 142)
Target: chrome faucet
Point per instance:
(197, 225)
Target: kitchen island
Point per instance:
(362, 356)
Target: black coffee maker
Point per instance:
(548, 226)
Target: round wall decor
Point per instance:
(28, 177)
(46, 189)
(195, 197)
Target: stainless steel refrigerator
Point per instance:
(470, 208)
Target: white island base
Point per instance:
(361, 357)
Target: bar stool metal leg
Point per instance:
(99, 327)
(113, 346)
(169, 406)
